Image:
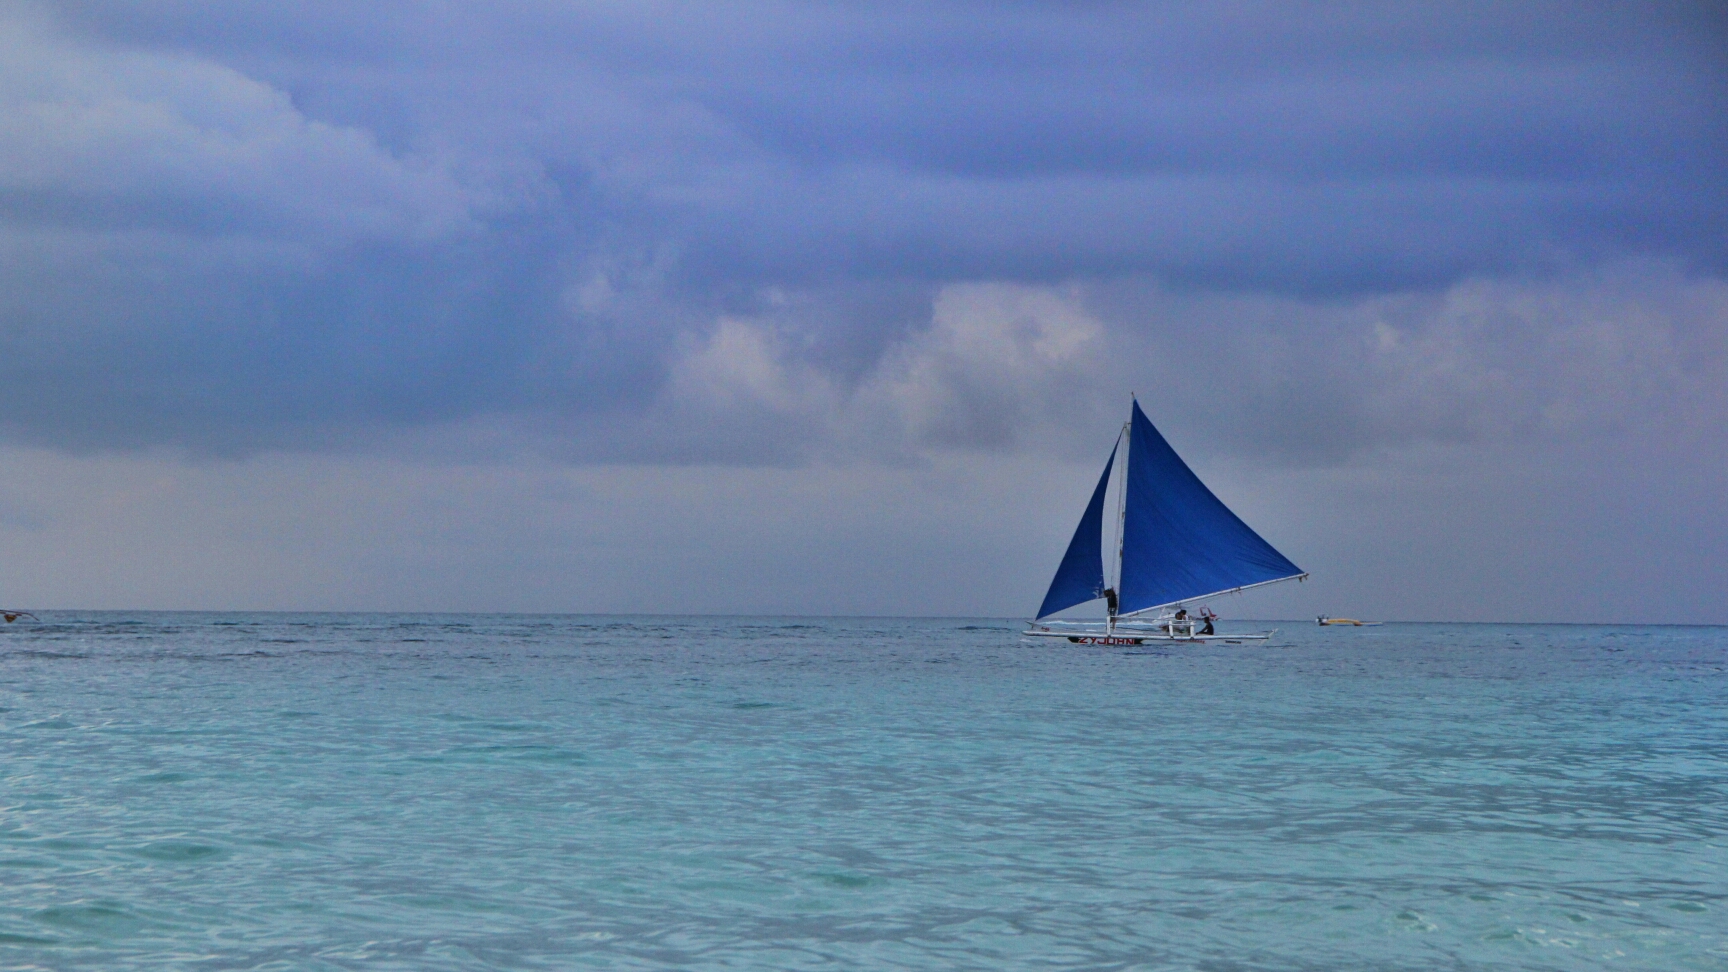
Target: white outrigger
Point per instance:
(1176, 543)
(1169, 625)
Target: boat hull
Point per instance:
(1130, 637)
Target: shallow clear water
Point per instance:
(469, 792)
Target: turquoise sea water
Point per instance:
(227, 791)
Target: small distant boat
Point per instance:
(1323, 620)
(1176, 543)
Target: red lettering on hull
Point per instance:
(1104, 641)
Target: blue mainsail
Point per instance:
(1080, 578)
(1178, 540)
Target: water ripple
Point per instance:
(475, 792)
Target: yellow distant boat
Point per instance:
(1324, 620)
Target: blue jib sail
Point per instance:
(1178, 540)
(1081, 576)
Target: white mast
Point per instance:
(1121, 515)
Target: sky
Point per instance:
(836, 308)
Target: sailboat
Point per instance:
(1176, 543)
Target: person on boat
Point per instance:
(1176, 622)
(1208, 628)
(1110, 601)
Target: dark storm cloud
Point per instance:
(245, 225)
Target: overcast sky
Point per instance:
(836, 308)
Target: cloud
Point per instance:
(1625, 349)
(1568, 364)
(120, 141)
(766, 232)
(996, 360)
(190, 259)
(1631, 349)
(991, 363)
(781, 306)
